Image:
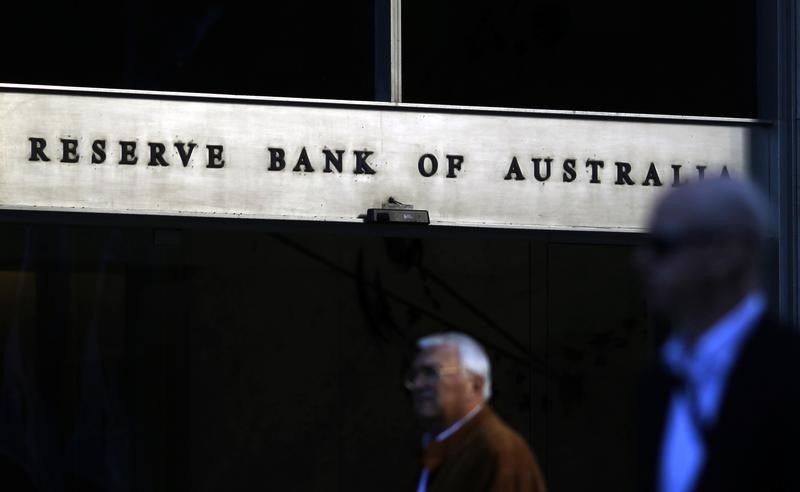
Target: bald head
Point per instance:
(703, 256)
(722, 208)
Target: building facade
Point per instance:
(224, 226)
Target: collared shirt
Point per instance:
(427, 439)
(694, 407)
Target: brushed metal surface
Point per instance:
(395, 40)
(398, 137)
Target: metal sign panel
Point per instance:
(330, 162)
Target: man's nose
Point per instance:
(420, 380)
(415, 380)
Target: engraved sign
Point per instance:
(318, 161)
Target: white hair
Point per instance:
(471, 354)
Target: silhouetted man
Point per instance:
(722, 408)
(466, 446)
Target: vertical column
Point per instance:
(794, 172)
(789, 263)
(777, 65)
(396, 48)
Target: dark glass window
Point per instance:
(296, 49)
(146, 359)
(695, 58)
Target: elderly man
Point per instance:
(722, 408)
(466, 446)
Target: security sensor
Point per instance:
(394, 212)
(390, 216)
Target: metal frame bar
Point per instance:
(395, 34)
(377, 105)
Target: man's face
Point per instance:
(680, 265)
(702, 252)
(671, 271)
(442, 392)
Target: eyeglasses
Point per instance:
(663, 245)
(428, 374)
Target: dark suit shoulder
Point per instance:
(773, 331)
(758, 412)
(771, 357)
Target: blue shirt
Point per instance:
(704, 369)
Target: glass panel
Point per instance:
(297, 49)
(683, 57)
(159, 360)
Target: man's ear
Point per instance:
(728, 260)
(478, 382)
